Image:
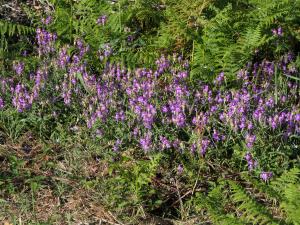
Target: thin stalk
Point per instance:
(71, 22)
(276, 85)
(193, 51)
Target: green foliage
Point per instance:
(253, 202)
(250, 209)
(10, 29)
(288, 186)
(134, 181)
(215, 35)
(215, 204)
(235, 34)
(12, 124)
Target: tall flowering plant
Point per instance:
(161, 108)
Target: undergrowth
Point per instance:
(151, 112)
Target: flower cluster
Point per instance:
(47, 20)
(105, 52)
(102, 20)
(277, 32)
(21, 98)
(1, 103)
(161, 107)
(146, 142)
(252, 164)
(265, 176)
(63, 58)
(19, 67)
(45, 41)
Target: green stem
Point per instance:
(120, 21)
(193, 51)
(71, 22)
(276, 86)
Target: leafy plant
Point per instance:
(257, 202)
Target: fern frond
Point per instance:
(287, 178)
(291, 204)
(10, 29)
(251, 210)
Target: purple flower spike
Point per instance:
(19, 67)
(220, 79)
(47, 20)
(1, 103)
(63, 58)
(120, 116)
(279, 31)
(180, 169)
(21, 99)
(130, 38)
(146, 142)
(164, 109)
(25, 53)
(265, 176)
(274, 31)
(250, 139)
(117, 145)
(216, 136)
(193, 148)
(251, 162)
(45, 41)
(204, 145)
(165, 142)
(102, 20)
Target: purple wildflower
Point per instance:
(220, 79)
(130, 38)
(146, 142)
(19, 67)
(45, 41)
(117, 145)
(180, 169)
(265, 176)
(251, 162)
(279, 31)
(250, 139)
(193, 148)
(47, 20)
(120, 116)
(102, 20)
(204, 145)
(22, 99)
(216, 136)
(165, 142)
(1, 103)
(63, 58)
